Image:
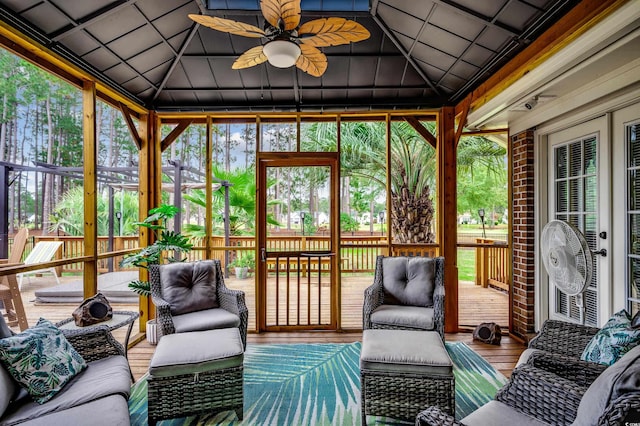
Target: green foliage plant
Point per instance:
(166, 243)
(348, 223)
(246, 260)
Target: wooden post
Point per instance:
(149, 172)
(447, 213)
(90, 165)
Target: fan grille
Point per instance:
(566, 257)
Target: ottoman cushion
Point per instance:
(197, 352)
(405, 351)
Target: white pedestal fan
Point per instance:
(568, 260)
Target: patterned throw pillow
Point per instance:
(614, 340)
(41, 360)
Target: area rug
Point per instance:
(319, 384)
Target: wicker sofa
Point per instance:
(97, 396)
(566, 395)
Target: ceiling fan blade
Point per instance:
(287, 10)
(311, 60)
(250, 58)
(332, 32)
(228, 26)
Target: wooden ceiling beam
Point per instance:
(423, 131)
(584, 16)
(175, 133)
(462, 121)
(126, 113)
(39, 55)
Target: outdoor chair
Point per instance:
(534, 396)
(193, 297)
(10, 296)
(562, 338)
(407, 294)
(43, 251)
(566, 342)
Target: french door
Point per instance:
(298, 240)
(579, 194)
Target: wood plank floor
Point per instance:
(472, 298)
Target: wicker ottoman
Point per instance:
(196, 372)
(402, 372)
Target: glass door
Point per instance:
(298, 241)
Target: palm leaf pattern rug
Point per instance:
(319, 384)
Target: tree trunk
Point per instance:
(411, 217)
(47, 178)
(3, 127)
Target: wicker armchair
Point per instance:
(563, 338)
(186, 300)
(563, 343)
(407, 294)
(536, 396)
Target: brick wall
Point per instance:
(523, 237)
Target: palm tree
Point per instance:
(413, 163)
(242, 204)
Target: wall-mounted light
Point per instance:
(531, 104)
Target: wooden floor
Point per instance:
(476, 305)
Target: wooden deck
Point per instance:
(477, 305)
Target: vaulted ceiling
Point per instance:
(421, 53)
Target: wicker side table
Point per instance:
(119, 319)
(205, 378)
(404, 371)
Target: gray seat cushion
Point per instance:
(496, 413)
(208, 350)
(205, 320)
(404, 316)
(408, 351)
(408, 280)
(189, 287)
(104, 377)
(618, 379)
(109, 411)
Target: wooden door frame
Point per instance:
(297, 159)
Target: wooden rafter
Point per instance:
(423, 131)
(462, 121)
(175, 133)
(584, 16)
(127, 113)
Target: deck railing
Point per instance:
(492, 263)
(357, 253)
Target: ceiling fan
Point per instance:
(288, 43)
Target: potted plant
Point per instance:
(166, 247)
(242, 264)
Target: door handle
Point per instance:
(263, 254)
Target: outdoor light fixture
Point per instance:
(481, 214)
(302, 215)
(119, 217)
(531, 104)
(282, 53)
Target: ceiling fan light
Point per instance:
(282, 53)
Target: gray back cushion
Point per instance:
(8, 386)
(189, 287)
(618, 379)
(408, 280)
(5, 331)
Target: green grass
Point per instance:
(466, 264)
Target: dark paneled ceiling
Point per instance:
(421, 53)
